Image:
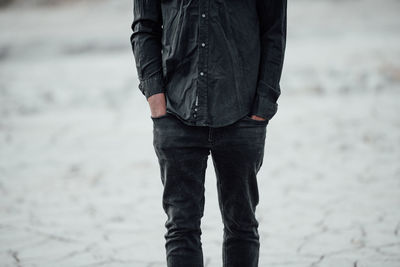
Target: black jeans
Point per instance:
(237, 151)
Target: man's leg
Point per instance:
(182, 154)
(237, 154)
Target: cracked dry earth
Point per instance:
(79, 180)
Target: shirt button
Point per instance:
(202, 73)
(203, 44)
(195, 109)
(203, 15)
(194, 115)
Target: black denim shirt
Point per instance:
(216, 60)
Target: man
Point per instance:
(210, 71)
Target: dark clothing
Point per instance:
(216, 61)
(237, 152)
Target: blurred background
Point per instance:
(79, 179)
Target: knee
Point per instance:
(241, 230)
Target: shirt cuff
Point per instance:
(264, 107)
(152, 85)
(265, 102)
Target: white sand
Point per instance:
(79, 180)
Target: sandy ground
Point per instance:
(79, 180)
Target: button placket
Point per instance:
(201, 97)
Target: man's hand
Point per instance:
(158, 106)
(257, 118)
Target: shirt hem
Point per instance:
(224, 124)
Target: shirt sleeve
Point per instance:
(146, 45)
(272, 17)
